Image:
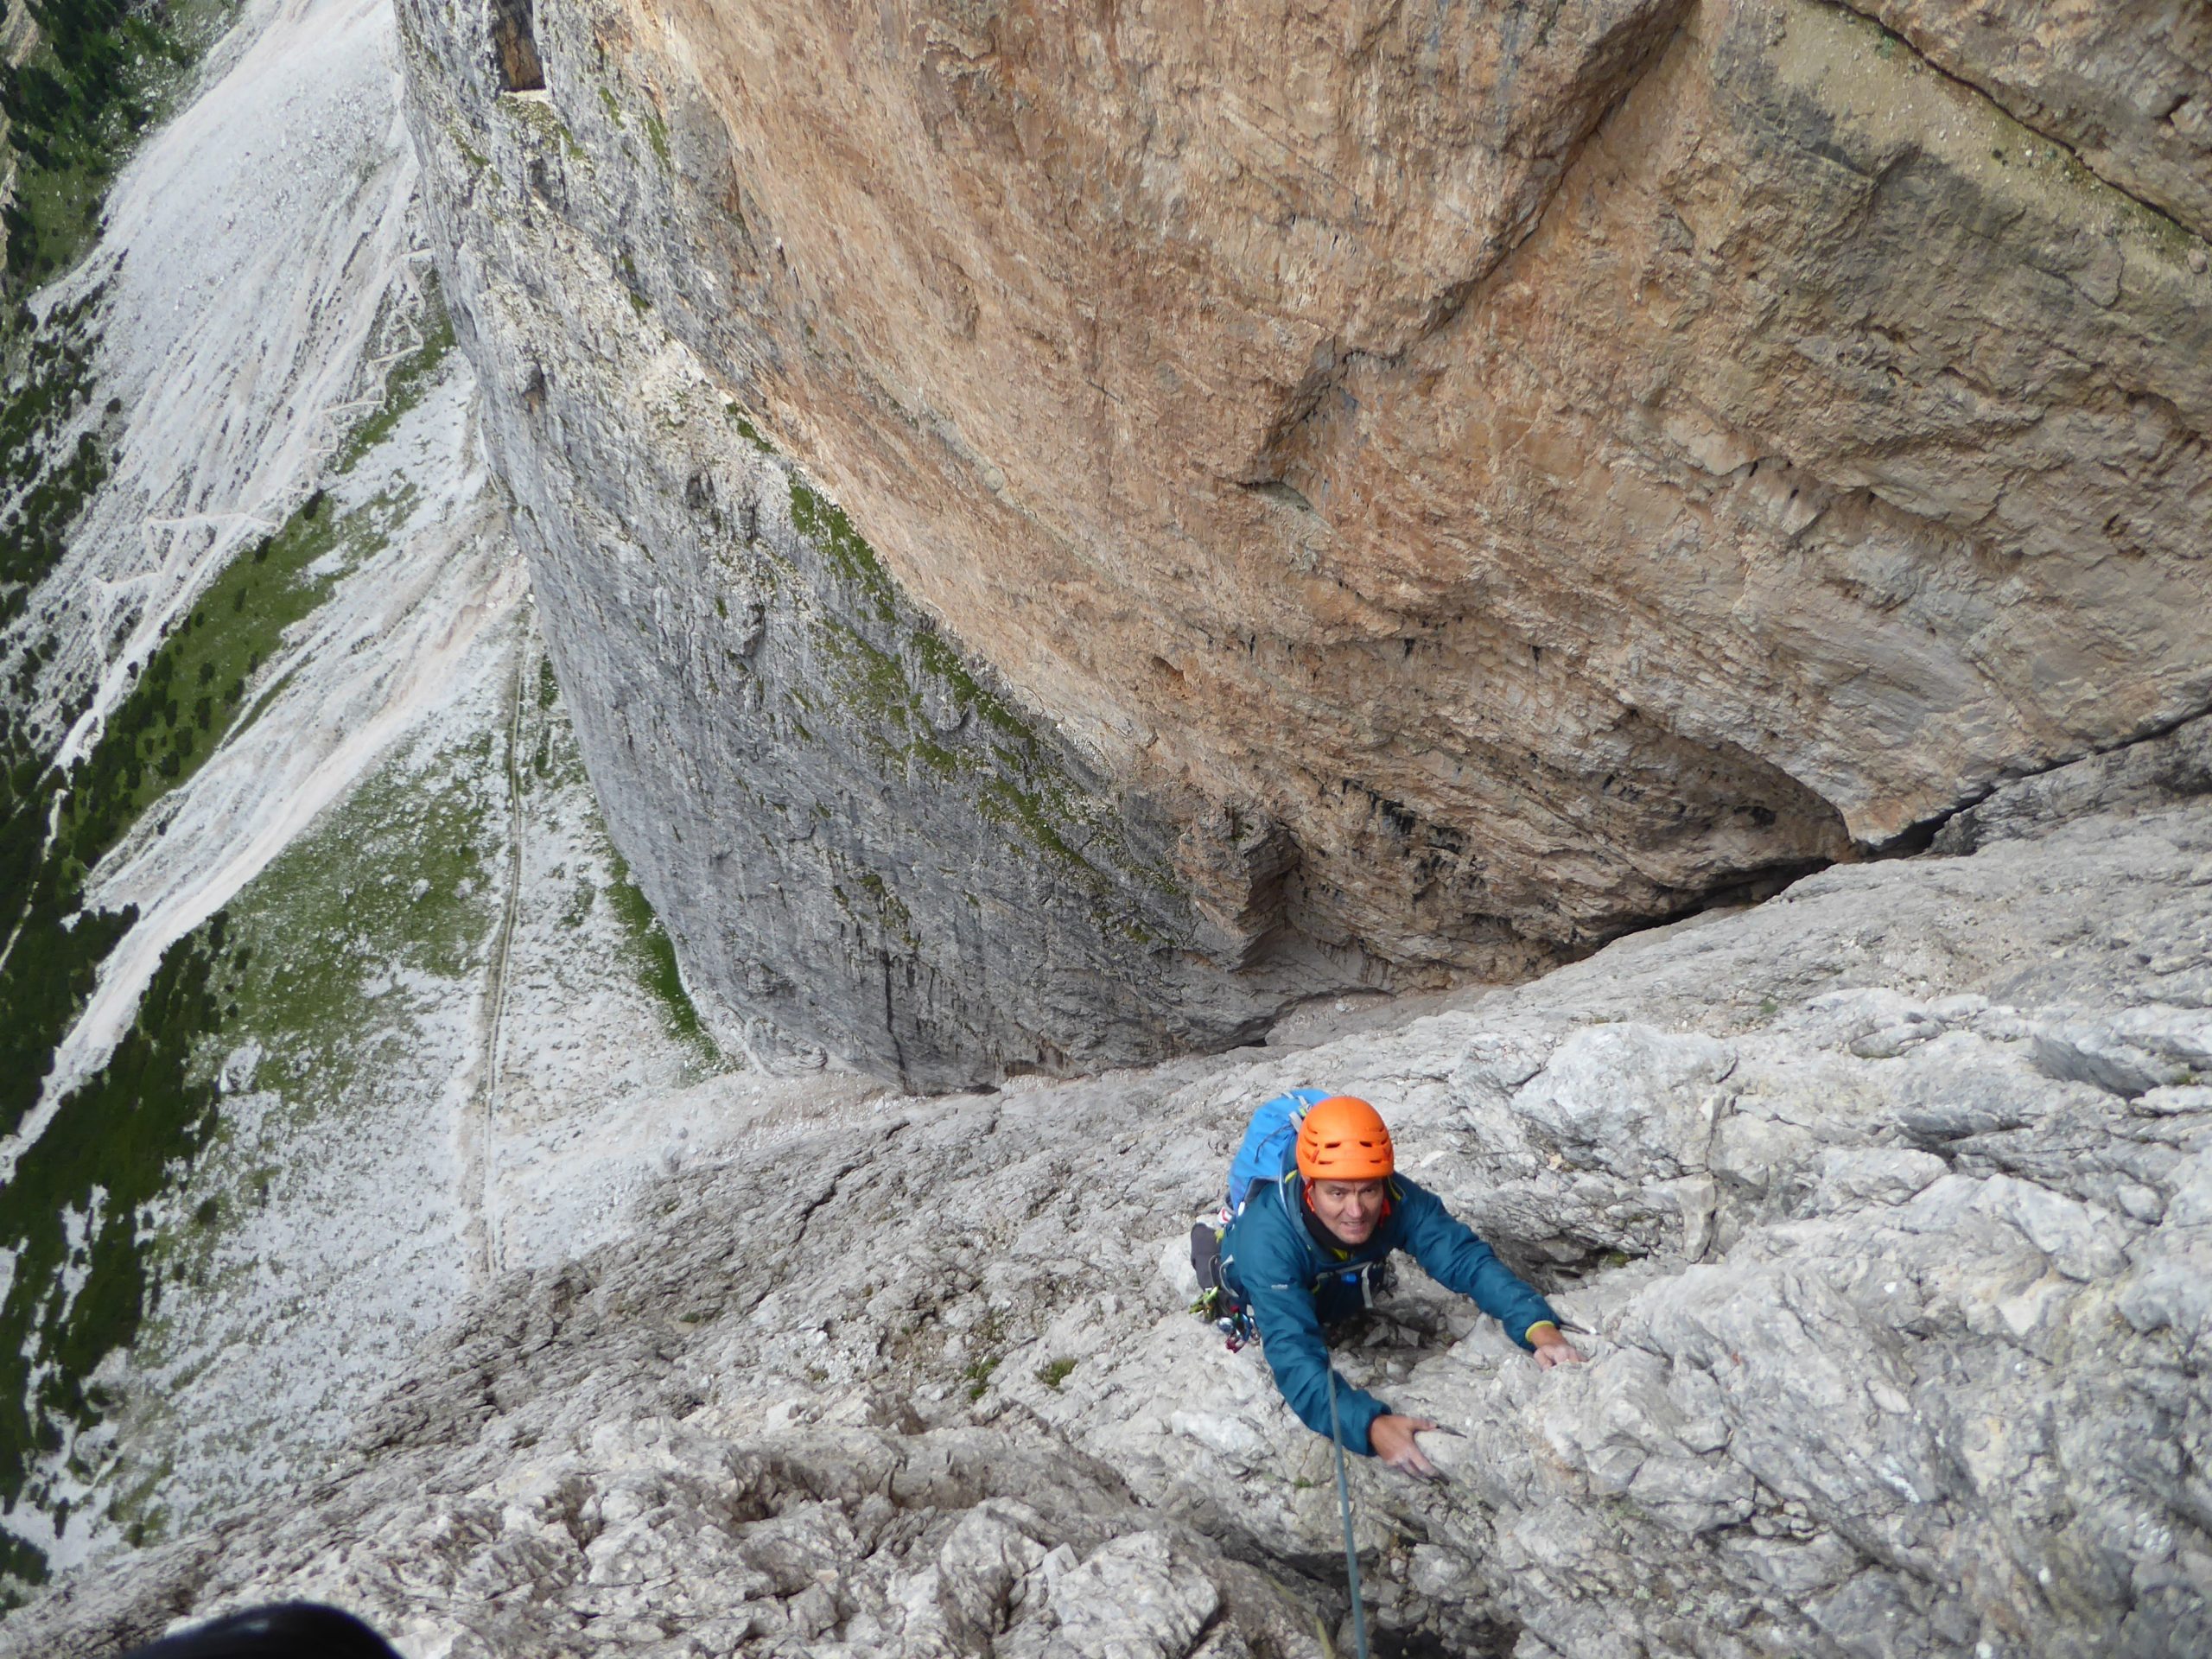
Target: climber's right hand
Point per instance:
(1392, 1437)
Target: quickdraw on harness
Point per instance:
(1216, 1303)
(1229, 1316)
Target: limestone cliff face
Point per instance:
(1336, 494)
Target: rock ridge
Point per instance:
(1884, 1204)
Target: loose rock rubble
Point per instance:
(1886, 1208)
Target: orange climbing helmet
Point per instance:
(1344, 1139)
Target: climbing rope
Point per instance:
(1343, 1504)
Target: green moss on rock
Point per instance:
(890, 667)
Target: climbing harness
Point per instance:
(1375, 1279)
(1343, 1504)
(1221, 1307)
(1217, 1304)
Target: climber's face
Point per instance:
(1348, 1209)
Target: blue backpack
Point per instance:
(1269, 1151)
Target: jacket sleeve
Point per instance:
(1449, 1253)
(1272, 1276)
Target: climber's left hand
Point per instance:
(1553, 1349)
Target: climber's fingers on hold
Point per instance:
(1411, 1462)
(1404, 1453)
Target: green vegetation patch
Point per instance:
(872, 900)
(190, 694)
(644, 950)
(1013, 779)
(194, 688)
(1053, 1373)
(539, 115)
(148, 1108)
(51, 460)
(74, 1212)
(397, 886)
(823, 522)
(747, 430)
(979, 1375)
(54, 957)
(656, 966)
(410, 377)
(102, 73)
(940, 659)
(119, 1134)
(1005, 802)
(316, 972)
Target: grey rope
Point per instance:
(1344, 1503)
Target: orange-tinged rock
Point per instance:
(1473, 481)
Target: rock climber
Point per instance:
(1302, 1249)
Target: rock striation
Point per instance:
(1886, 1206)
(2123, 87)
(1322, 497)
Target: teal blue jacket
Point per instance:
(1274, 1263)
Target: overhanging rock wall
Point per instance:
(1335, 497)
